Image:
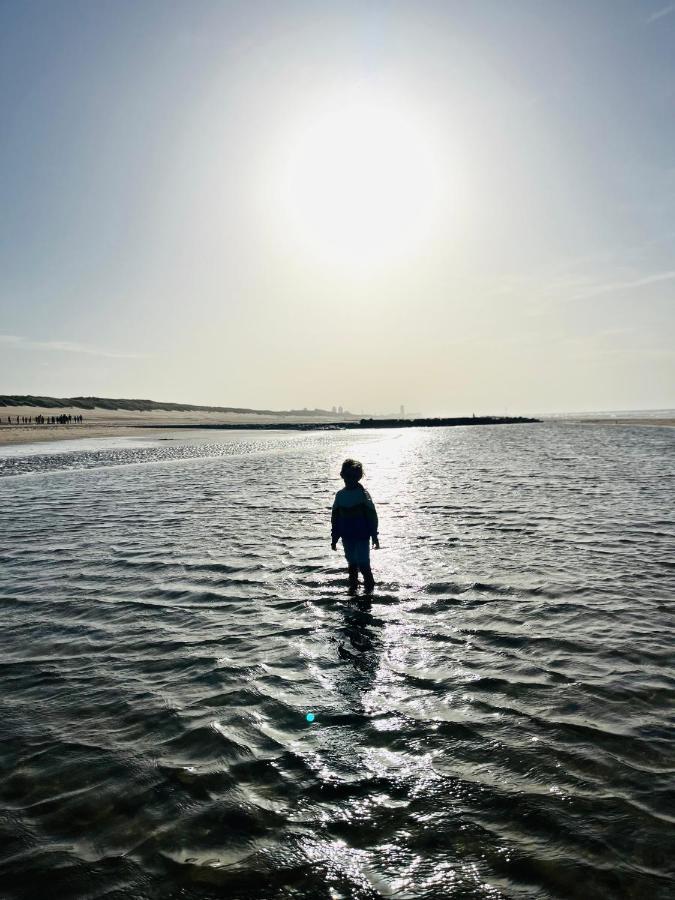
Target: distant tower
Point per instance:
(333, 409)
(402, 410)
(340, 410)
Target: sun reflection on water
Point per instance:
(479, 722)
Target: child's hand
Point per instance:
(376, 544)
(333, 546)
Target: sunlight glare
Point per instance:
(361, 184)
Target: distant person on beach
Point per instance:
(354, 519)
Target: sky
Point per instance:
(459, 207)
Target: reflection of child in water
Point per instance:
(354, 519)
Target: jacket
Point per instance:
(354, 517)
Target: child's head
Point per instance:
(351, 471)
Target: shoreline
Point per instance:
(18, 434)
(29, 434)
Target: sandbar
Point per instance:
(125, 423)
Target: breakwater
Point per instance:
(342, 426)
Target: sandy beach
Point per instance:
(123, 423)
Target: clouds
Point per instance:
(660, 13)
(616, 286)
(14, 342)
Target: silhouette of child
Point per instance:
(354, 519)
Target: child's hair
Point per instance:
(352, 470)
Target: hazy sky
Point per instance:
(458, 206)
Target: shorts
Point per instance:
(357, 552)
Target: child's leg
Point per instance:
(352, 565)
(364, 565)
(368, 580)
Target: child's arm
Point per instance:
(334, 525)
(373, 523)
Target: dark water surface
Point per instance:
(499, 722)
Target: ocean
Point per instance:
(497, 721)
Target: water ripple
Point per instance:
(496, 723)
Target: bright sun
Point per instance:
(361, 184)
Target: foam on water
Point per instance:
(496, 723)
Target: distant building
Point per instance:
(402, 410)
(333, 409)
(340, 410)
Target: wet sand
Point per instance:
(125, 423)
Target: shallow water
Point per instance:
(497, 722)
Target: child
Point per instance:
(354, 519)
